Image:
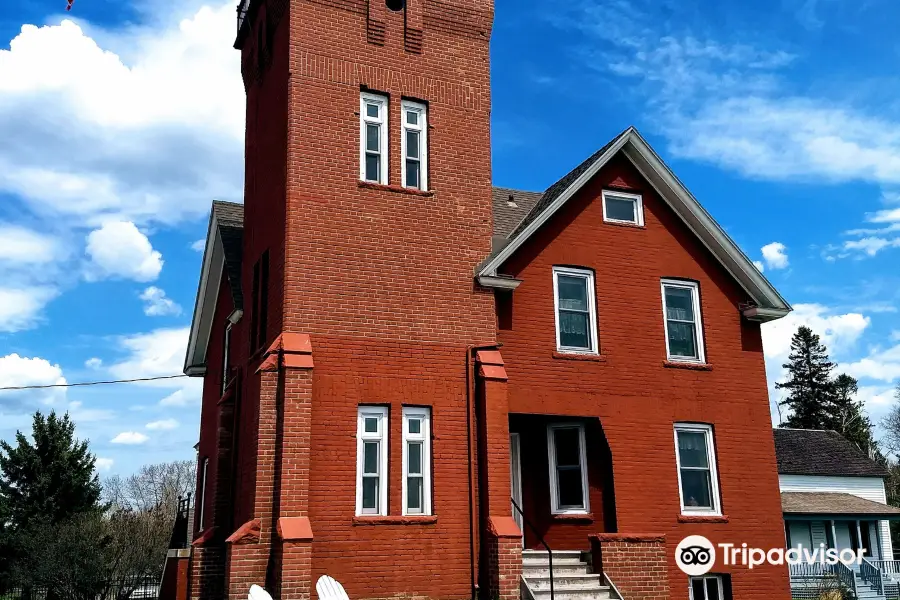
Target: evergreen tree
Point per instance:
(809, 385)
(50, 480)
(849, 418)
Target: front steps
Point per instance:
(572, 579)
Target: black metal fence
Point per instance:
(146, 588)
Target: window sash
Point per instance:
(589, 312)
(380, 151)
(637, 199)
(366, 477)
(556, 506)
(417, 491)
(419, 159)
(202, 500)
(704, 585)
(226, 347)
(671, 324)
(710, 470)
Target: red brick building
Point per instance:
(392, 349)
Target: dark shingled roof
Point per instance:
(817, 452)
(834, 503)
(555, 190)
(230, 216)
(510, 207)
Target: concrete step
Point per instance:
(598, 594)
(566, 583)
(532, 571)
(559, 553)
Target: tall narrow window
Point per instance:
(695, 455)
(414, 145)
(576, 320)
(202, 499)
(684, 331)
(373, 150)
(568, 469)
(416, 461)
(226, 350)
(707, 588)
(371, 461)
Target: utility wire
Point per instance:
(86, 383)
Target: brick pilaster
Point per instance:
(207, 570)
(635, 563)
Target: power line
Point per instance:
(86, 383)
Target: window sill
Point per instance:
(394, 188)
(690, 366)
(702, 518)
(573, 518)
(628, 225)
(395, 520)
(578, 356)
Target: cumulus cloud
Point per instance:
(775, 255)
(143, 124)
(119, 249)
(131, 438)
(199, 246)
(104, 464)
(159, 353)
(759, 265)
(20, 308)
(162, 425)
(19, 371)
(157, 304)
(93, 363)
(22, 246)
(182, 397)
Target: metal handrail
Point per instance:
(891, 567)
(540, 539)
(846, 575)
(872, 575)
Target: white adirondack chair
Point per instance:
(257, 593)
(330, 589)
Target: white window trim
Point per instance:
(582, 457)
(718, 578)
(707, 431)
(203, 492)
(592, 309)
(381, 412)
(226, 347)
(698, 319)
(381, 122)
(638, 207)
(423, 414)
(410, 106)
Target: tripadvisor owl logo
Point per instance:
(695, 555)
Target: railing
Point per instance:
(872, 575)
(242, 9)
(182, 527)
(540, 539)
(888, 567)
(808, 571)
(846, 575)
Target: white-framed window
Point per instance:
(414, 145)
(371, 461)
(568, 469)
(622, 207)
(576, 318)
(416, 461)
(202, 499)
(373, 135)
(226, 350)
(708, 587)
(681, 317)
(698, 481)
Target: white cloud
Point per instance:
(119, 249)
(183, 397)
(157, 304)
(879, 364)
(895, 335)
(93, 363)
(759, 265)
(20, 308)
(162, 425)
(23, 246)
(130, 438)
(104, 464)
(18, 371)
(139, 124)
(871, 246)
(199, 246)
(775, 255)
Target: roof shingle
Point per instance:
(818, 452)
(834, 503)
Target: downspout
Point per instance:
(470, 431)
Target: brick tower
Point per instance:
(367, 210)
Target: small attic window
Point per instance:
(620, 207)
(395, 5)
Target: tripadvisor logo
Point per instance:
(695, 555)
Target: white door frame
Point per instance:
(515, 475)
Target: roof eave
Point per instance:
(211, 273)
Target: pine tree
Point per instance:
(849, 418)
(50, 480)
(809, 384)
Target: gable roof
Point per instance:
(835, 504)
(819, 452)
(510, 206)
(769, 304)
(222, 256)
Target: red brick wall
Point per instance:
(637, 398)
(636, 564)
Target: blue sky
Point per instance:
(121, 122)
